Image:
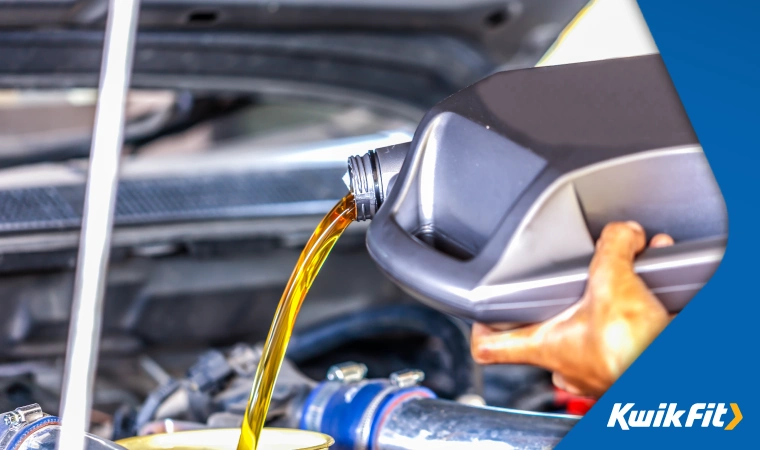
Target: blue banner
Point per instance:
(700, 375)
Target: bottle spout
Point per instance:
(370, 177)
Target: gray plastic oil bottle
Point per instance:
(492, 211)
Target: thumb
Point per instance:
(616, 250)
(519, 346)
(491, 346)
(535, 344)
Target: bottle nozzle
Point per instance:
(364, 184)
(370, 177)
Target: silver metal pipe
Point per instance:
(97, 223)
(422, 424)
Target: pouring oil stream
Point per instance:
(313, 256)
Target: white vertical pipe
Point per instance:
(97, 223)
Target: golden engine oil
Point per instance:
(313, 256)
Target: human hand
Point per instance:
(591, 343)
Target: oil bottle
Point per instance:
(492, 211)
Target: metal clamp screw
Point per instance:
(22, 415)
(347, 372)
(407, 378)
(12, 419)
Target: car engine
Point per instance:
(235, 139)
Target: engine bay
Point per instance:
(235, 143)
(211, 232)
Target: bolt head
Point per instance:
(407, 378)
(12, 419)
(347, 372)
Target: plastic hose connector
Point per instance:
(29, 429)
(351, 413)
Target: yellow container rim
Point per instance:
(227, 438)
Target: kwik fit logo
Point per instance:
(669, 415)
